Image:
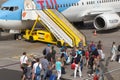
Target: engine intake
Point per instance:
(106, 21)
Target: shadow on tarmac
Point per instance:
(108, 31)
(7, 37)
(7, 74)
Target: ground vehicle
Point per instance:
(41, 34)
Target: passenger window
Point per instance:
(69, 4)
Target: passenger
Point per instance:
(49, 56)
(91, 63)
(73, 54)
(58, 65)
(48, 49)
(77, 67)
(92, 46)
(53, 53)
(31, 59)
(113, 51)
(23, 64)
(45, 65)
(63, 61)
(29, 71)
(37, 76)
(80, 44)
(87, 55)
(95, 53)
(100, 50)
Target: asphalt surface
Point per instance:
(11, 50)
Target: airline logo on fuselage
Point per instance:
(42, 4)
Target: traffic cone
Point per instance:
(95, 34)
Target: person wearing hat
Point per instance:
(48, 49)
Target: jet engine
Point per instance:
(106, 21)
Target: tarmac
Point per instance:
(11, 50)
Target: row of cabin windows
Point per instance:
(101, 1)
(83, 3)
(67, 5)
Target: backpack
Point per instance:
(44, 51)
(93, 47)
(66, 57)
(119, 48)
(38, 70)
(53, 77)
(49, 73)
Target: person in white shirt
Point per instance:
(37, 77)
(23, 64)
(113, 51)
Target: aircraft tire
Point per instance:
(19, 36)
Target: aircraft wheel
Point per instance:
(17, 36)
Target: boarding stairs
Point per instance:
(77, 32)
(66, 26)
(58, 25)
(54, 28)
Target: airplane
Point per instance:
(104, 13)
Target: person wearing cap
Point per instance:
(48, 49)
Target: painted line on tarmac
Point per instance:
(103, 73)
(9, 65)
(112, 71)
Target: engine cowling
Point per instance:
(106, 21)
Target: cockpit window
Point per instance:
(5, 8)
(9, 8)
(15, 8)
